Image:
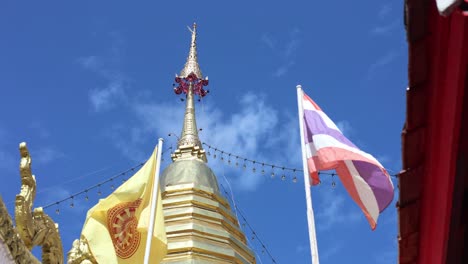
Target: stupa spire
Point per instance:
(191, 66)
(191, 83)
(200, 225)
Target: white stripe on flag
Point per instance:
(364, 190)
(308, 105)
(310, 150)
(325, 141)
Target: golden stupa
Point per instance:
(200, 225)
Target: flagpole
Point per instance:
(310, 210)
(154, 201)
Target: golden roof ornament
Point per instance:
(190, 82)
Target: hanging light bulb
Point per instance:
(294, 179)
(57, 211)
(263, 170)
(237, 164)
(333, 184)
(72, 204)
(112, 187)
(272, 174)
(209, 153)
(253, 169)
(283, 177)
(214, 156)
(86, 197)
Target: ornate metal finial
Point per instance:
(191, 66)
(190, 82)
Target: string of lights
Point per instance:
(245, 223)
(98, 186)
(238, 160)
(232, 159)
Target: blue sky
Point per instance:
(89, 86)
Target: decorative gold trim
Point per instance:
(180, 190)
(223, 239)
(200, 222)
(193, 251)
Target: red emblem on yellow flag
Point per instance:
(122, 225)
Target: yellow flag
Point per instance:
(116, 228)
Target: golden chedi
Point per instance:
(200, 226)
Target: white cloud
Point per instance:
(385, 11)
(268, 41)
(328, 253)
(90, 62)
(283, 69)
(7, 161)
(387, 257)
(381, 62)
(286, 54)
(345, 127)
(40, 129)
(105, 98)
(45, 155)
(387, 28)
(333, 210)
(293, 44)
(7, 158)
(251, 131)
(302, 248)
(107, 67)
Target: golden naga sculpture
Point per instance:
(33, 227)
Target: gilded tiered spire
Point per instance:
(190, 82)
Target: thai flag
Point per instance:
(326, 148)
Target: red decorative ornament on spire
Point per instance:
(191, 74)
(197, 85)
